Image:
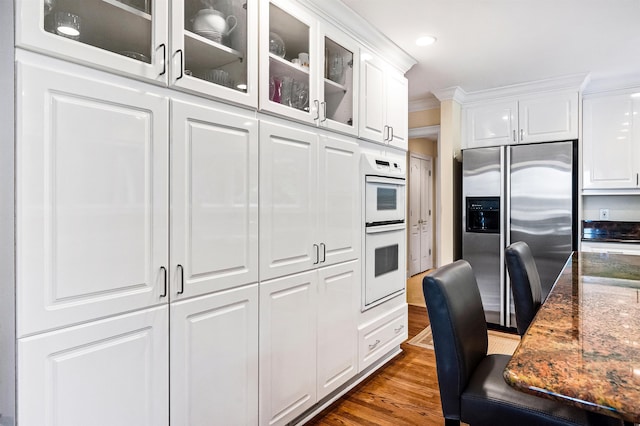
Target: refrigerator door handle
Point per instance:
(506, 235)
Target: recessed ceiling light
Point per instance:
(425, 40)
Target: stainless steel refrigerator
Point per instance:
(517, 193)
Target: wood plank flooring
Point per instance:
(404, 392)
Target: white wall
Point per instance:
(621, 207)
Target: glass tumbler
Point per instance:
(67, 25)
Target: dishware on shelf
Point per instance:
(276, 45)
(304, 59)
(216, 76)
(212, 24)
(300, 96)
(275, 87)
(48, 6)
(287, 91)
(136, 55)
(67, 25)
(336, 69)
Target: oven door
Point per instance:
(384, 263)
(384, 199)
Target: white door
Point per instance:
(214, 197)
(288, 327)
(372, 98)
(113, 371)
(491, 124)
(339, 289)
(396, 103)
(214, 359)
(288, 199)
(420, 219)
(91, 197)
(339, 199)
(549, 117)
(611, 155)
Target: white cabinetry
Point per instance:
(379, 335)
(611, 142)
(109, 30)
(308, 338)
(310, 207)
(92, 197)
(214, 197)
(109, 372)
(214, 359)
(383, 102)
(535, 118)
(322, 92)
(610, 248)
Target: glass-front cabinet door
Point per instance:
(122, 36)
(214, 48)
(288, 61)
(338, 101)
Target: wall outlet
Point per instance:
(604, 214)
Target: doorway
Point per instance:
(420, 213)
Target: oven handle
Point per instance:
(385, 228)
(387, 180)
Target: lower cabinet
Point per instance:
(113, 371)
(380, 335)
(214, 359)
(308, 338)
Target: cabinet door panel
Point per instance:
(287, 347)
(397, 113)
(107, 372)
(338, 306)
(110, 33)
(492, 124)
(548, 118)
(339, 203)
(214, 199)
(288, 199)
(91, 199)
(214, 359)
(372, 100)
(610, 156)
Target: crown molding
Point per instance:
(424, 104)
(626, 82)
(575, 82)
(425, 132)
(340, 15)
(451, 93)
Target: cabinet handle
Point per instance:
(385, 133)
(324, 111)
(324, 252)
(521, 134)
(377, 342)
(181, 64)
(164, 273)
(317, 104)
(399, 329)
(636, 179)
(164, 61)
(317, 254)
(391, 133)
(514, 135)
(181, 279)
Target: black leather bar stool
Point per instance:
(525, 283)
(472, 387)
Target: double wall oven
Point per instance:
(384, 228)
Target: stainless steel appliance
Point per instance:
(517, 193)
(384, 180)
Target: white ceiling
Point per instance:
(484, 44)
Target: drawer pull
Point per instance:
(399, 329)
(371, 347)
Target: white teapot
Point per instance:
(210, 19)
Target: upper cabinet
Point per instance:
(122, 36)
(528, 119)
(214, 48)
(611, 142)
(308, 68)
(383, 102)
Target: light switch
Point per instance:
(604, 214)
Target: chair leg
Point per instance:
(451, 422)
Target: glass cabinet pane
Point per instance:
(215, 42)
(289, 60)
(338, 82)
(120, 26)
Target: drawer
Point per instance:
(379, 336)
(611, 248)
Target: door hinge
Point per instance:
(429, 212)
(429, 172)
(429, 252)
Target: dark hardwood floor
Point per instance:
(404, 392)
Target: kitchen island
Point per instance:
(583, 346)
